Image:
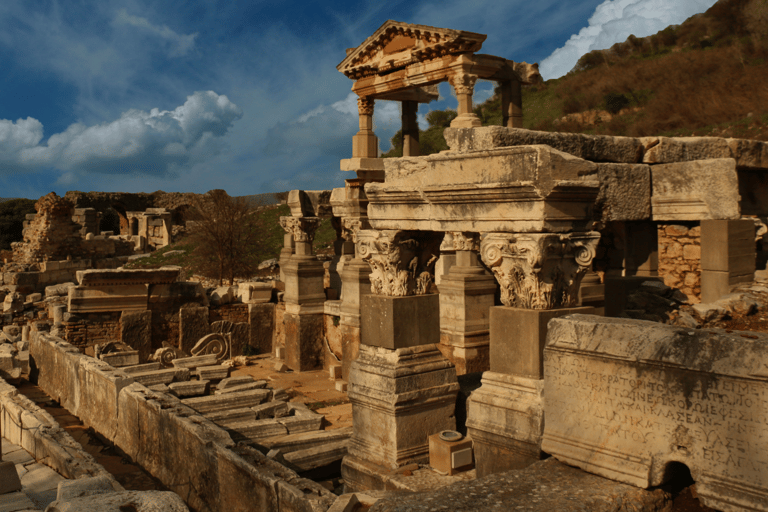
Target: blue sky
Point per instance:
(145, 95)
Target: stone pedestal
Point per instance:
(399, 398)
(466, 297)
(505, 415)
(355, 285)
(505, 419)
(303, 319)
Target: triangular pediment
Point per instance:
(396, 45)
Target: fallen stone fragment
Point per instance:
(232, 416)
(344, 503)
(138, 501)
(195, 361)
(304, 423)
(257, 384)
(189, 388)
(140, 368)
(317, 456)
(161, 376)
(234, 381)
(121, 359)
(258, 429)
(305, 440)
(214, 403)
(273, 409)
(213, 373)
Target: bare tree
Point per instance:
(227, 236)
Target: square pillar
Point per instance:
(728, 256)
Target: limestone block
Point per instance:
(193, 325)
(303, 423)
(195, 361)
(302, 441)
(258, 429)
(256, 384)
(628, 399)
(695, 190)
(161, 376)
(255, 293)
(625, 192)
(235, 381)
(599, 148)
(117, 277)
(273, 409)
(686, 149)
(136, 332)
(146, 367)
(189, 388)
(317, 456)
(96, 299)
(229, 417)
(215, 372)
(9, 478)
(518, 189)
(70, 489)
(214, 403)
(400, 322)
(120, 359)
(749, 154)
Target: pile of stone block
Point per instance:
(14, 353)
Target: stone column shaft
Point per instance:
(365, 144)
(463, 85)
(512, 104)
(410, 129)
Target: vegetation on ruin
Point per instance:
(705, 77)
(13, 212)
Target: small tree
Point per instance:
(225, 232)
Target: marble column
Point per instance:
(466, 298)
(511, 104)
(410, 127)
(304, 297)
(365, 144)
(464, 85)
(539, 275)
(401, 387)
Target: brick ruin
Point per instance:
(515, 255)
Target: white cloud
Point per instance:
(615, 20)
(151, 143)
(180, 44)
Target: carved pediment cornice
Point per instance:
(395, 45)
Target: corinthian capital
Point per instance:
(302, 228)
(539, 270)
(463, 83)
(351, 225)
(365, 106)
(402, 262)
(464, 241)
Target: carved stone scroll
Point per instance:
(216, 343)
(402, 262)
(539, 270)
(302, 228)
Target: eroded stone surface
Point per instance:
(627, 398)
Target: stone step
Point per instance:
(305, 440)
(231, 416)
(256, 384)
(161, 376)
(258, 429)
(195, 361)
(214, 403)
(317, 456)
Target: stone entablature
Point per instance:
(119, 290)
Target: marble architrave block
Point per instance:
(631, 399)
(696, 190)
(400, 398)
(94, 299)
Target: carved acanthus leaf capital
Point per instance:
(465, 241)
(365, 106)
(539, 270)
(302, 228)
(463, 83)
(400, 263)
(351, 225)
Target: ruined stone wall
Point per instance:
(680, 257)
(234, 313)
(51, 235)
(88, 329)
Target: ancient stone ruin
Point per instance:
(499, 314)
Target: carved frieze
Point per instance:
(302, 228)
(402, 262)
(539, 270)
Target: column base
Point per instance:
(506, 422)
(400, 398)
(466, 121)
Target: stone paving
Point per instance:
(39, 482)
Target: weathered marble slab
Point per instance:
(626, 399)
(517, 189)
